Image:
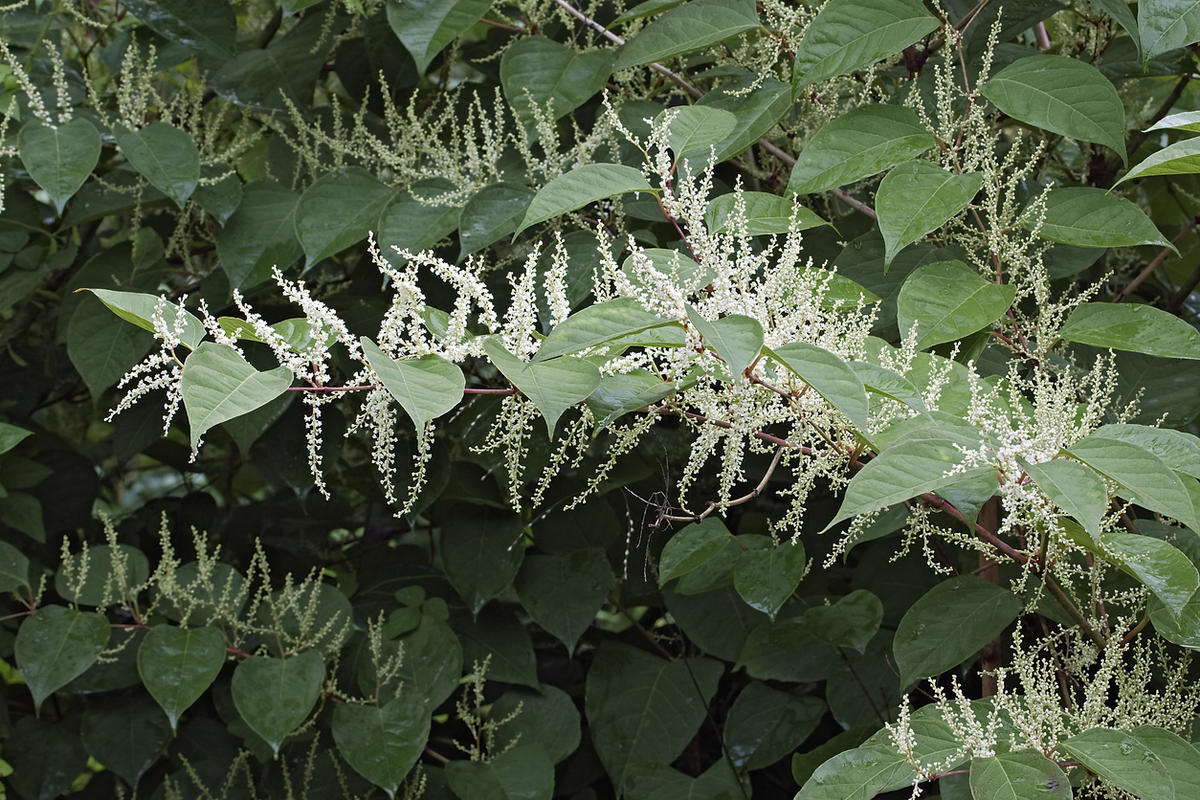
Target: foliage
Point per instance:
(448, 398)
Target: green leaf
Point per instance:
(766, 724)
(756, 113)
(1062, 95)
(275, 695)
(427, 26)
(14, 568)
(552, 386)
(1024, 775)
(643, 709)
(432, 663)
(99, 584)
(804, 764)
(523, 773)
(490, 215)
(929, 641)
(139, 309)
(383, 742)
(1119, 11)
(695, 129)
(1183, 628)
(598, 324)
(829, 375)
(481, 555)
(737, 339)
(882, 381)
(1164, 25)
(218, 384)
(620, 394)
(644, 267)
(220, 198)
(917, 197)
(56, 644)
(548, 719)
(1144, 477)
(211, 28)
(857, 145)
(1121, 759)
(765, 214)
(562, 593)
(536, 71)
(42, 758)
(1158, 565)
(102, 348)
(126, 737)
(1074, 488)
(11, 436)
(177, 665)
(410, 224)
(691, 547)
(1183, 121)
(849, 34)
(1180, 158)
(23, 512)
(580, 186)
(1132, 327)
(260, 79)
(426, 387)
(59, 159)
(766, 578)
(1180, 450)
(947, 300)
(498, 636)
(857, 774)
(338, 210)
(165, 156)
(1181, 759)
(851, 622)
(1088, 217)
(691, 26)
(260, 235)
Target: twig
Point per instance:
(368, 386)
(1163, 110)
(1041, 37)
(1156, 261)
(713, 505)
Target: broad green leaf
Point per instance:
(660, 782)
(102, 348)
(882, 381)
(1183, 628)
(598, 324)
(900, 473)
(552, 386)
(11, 436)
(1089, 217)
(408, 223)
(917, 197)
(737, 339)
(691, 26)
(857, 774)
(427, 26)
(1183, 121)
(1132, 327)
(849, 34)
(1181, 759)
(382, 742)
(220, 197)
(1180, 450)
(643, 709)
(426, 387)
(843, 294)
(218, 384)
(1024, 775)
(260, 235)
(694, 129)
(1119, 10)
(523, 773)
(1164, 25)
(481, 555)
(691, 547)
(177, 665)
(260, 79)
(851, 622)
(947, 301)
(42, 758)
(275, 695)
(537, 71)
(620, 394)
(211, 28)
(95, 582)
(857, 145)
(432, 663)
(1180, 158)
(929, 641)
(1123, 760)
(644, 268)
(337, 211)
(756, 113)
(59, 159)
(491, 214)
(1158, 565)
(1144, 477)
(126, 736)
(141, 309)
(646, 9)
(764, 213)
(717, 621)
(829, 375)
(56, 644)
(14, 568)
(548, 719)
(1061, 95)
(165, 156)
(23, 512)
(562, 593)
(765, 578)
(804, 764)
(766, 724)
(498, 636)
(1074, 488)
(580, 186)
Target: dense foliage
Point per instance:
(448, 398)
